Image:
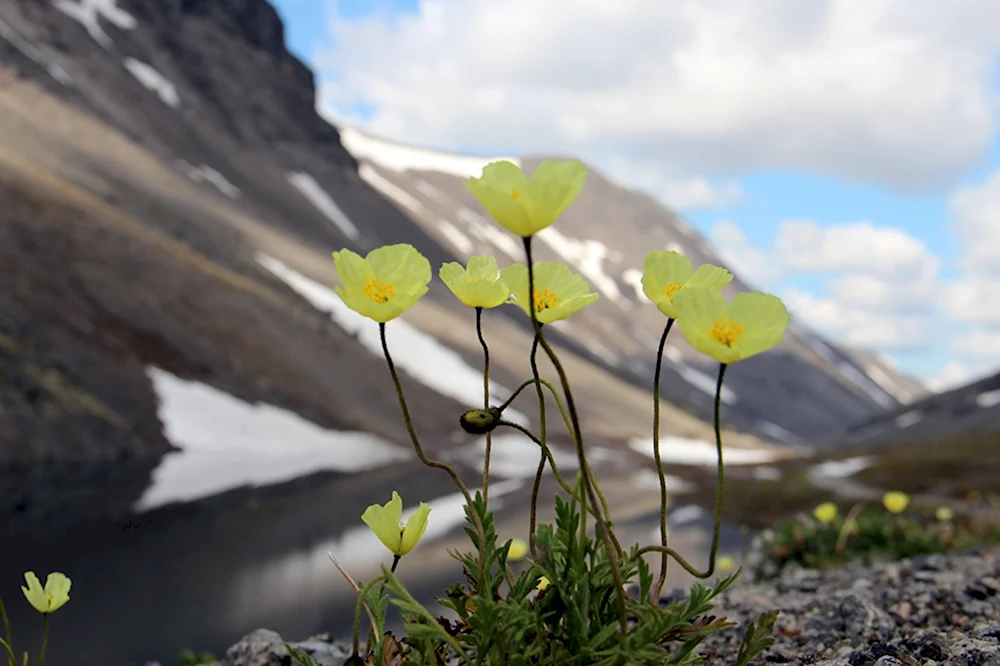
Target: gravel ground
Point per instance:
(937, 609)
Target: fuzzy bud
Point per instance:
(480, 421)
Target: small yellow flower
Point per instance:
(559, 292)
(526, 206)
(52, 597)
(825, 513)
(725, 563)
(387, 523)
(944, 513)
(517, 551)
(750, 324)
(543, 583)
(384, 284)
(666, 273)
(479, 285)
(895, 501)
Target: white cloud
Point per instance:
(952, 375)
(698, 193)
(975, 213)
(881, 329)
(740, 255)
(973, 299)
(860, 247)
(979, 344)
(897, 92)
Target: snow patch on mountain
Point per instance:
(154, 81)
(209, 175)
(779, 433)
(400, 158)
(311, 190)
(688, 451)
(488, 232)
(588, 257)
(417, 353)
(988, 398)
(456, 237)
(89, 13)
(633, 278)
(370, 175)
(705, 383)
(29, 51)
(909, 418)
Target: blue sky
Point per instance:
(840, 156)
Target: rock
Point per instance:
(264, 647)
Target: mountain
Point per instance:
(970, 410)
(171, 199)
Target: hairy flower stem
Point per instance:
(427, 461)
(486, 404)
(533, 519)
(45, 639)
(720, 484)
(589, 483)
(664, 558)
(361, 604)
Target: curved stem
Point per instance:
(720, 485)
(45, 639)
(664, 558)
(552, 463)
(433, 463)
(533, 518)
(589, 483)
(409, 423)
(506, 403)
(486, 404)
(12, 661)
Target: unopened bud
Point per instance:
(480, 421)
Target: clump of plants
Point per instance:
(891, 530)
(569, 600)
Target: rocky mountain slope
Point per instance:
(151, 154)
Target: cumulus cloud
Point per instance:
(975, 212)
(741, 256)
(952, 375)
(896, 92)
(880, 329)
(699, 193)
(861, 247)
(973, 299)
(979, 344)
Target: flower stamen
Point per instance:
(672, 289)
(515, 195)
(545, 299)
(726, 333)
(380, 292)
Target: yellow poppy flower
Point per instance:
(526, 206)
(543, 583)
(50, 598)
(725, 564)
(479, 285)
(518, 550)
(944, 513)
(386, 521)
(559, 292)
(752, 323)
(826, 512)
(895, 501)
(384, 284)
(666, 273)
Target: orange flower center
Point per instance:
(726, 333)
(514, 194)
(672, 289)
(545, 299)
(379, 291)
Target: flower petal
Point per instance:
(384, 522)
(415, 528)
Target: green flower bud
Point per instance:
(480, 421)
